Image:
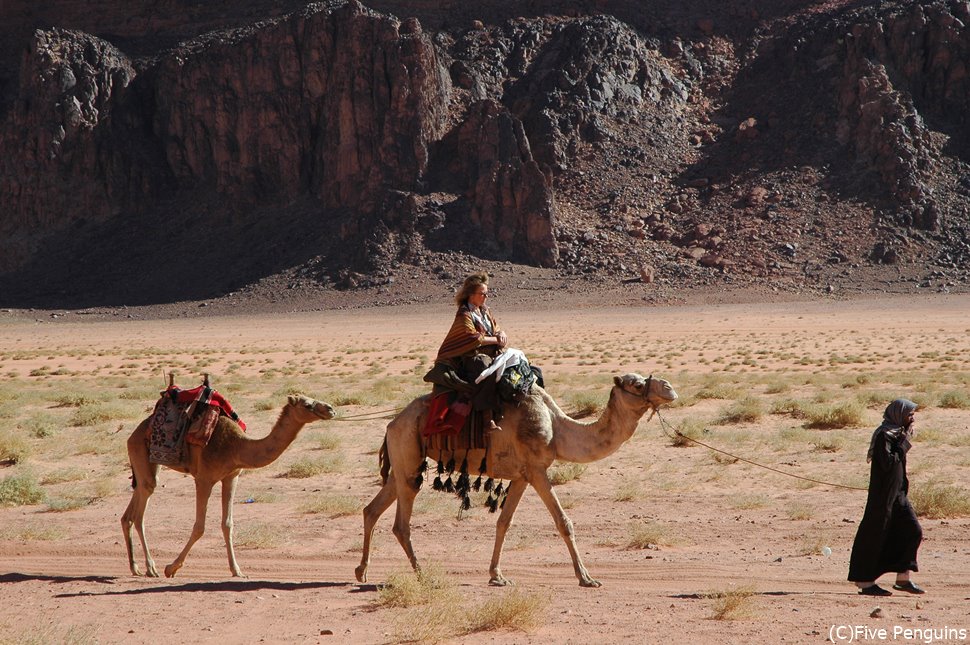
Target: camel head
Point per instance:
(655, 392)
(309, 410)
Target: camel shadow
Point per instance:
(27, 577)
(216, 586)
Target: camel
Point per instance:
(228, 452)
(533, 434)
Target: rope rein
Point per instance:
(666, 426)
(371, 416)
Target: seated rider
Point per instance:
(473, 340)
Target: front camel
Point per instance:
(534, 434)
(228, 452)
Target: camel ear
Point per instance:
(617, 381)
(291, 399)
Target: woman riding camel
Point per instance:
(475, 330)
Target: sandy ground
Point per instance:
(723, 525)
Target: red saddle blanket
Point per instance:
(446, 414)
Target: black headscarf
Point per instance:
(893, 421)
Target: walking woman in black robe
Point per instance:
(889, 534)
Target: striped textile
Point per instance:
(465, 335)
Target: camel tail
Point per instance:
(384, 461)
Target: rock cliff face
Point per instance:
(593, 137)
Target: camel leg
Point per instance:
(228, 492)
(372, 512)
(540, 481)
(146, 479)
(516, 489)
(202, 491)
(402, 521)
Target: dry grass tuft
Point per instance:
(332, 506)
(413, 588)
(305, 467)
(13, 448)
(687, 430)
(645, 535)
(21, 489)
(838, 415)
(955, 399)
(584, 404)
(515, 610)
(562, 472)
(747, 410)
(259, 536)
(936, 501)
(734, 604)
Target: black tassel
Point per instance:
(449, 486)
(498, 490)
(466, 503)
(441, 468)
(451, 465)
(492, 504)
(477, 486)
(436, 484)
(418, 480)
(462, 486)
(481, 469)
(464, 465)
(424, 466)
(489, 485)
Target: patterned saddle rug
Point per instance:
(185, 416)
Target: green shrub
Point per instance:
(747, 410)
(839, 415)
(20, 490)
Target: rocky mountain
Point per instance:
(152, 151)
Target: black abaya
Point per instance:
(889, 534)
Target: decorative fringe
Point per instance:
(481, 469)
(491, 503)
(437, 484)
(466, 503)
(441, 468)
(477, 486)
(489, 485)
(451, 465)
(462, 486)
(421, 470)
(498, 490)
(449, 485)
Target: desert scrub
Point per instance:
(747, 410)
(583, 404)
(305, 467)
(733, 604)
(627, 491)
(328, 440)
(838, 415)
(13, 447)
(643, 535)
(829, 444)
(800, 511)
(92, 414)
(20, 489)
(41, 425)
(413, 588)
(935, 500)
(687, 430)
(516, 610)
(259, 536)
(563, 471)
(33, 532)
(332, 506)
(955, 399)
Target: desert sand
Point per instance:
(73, 390)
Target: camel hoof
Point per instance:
(361, 573)
(171, 570)
(590, 583)
(501, 582)
(152, 573)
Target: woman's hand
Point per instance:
(502, 339)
